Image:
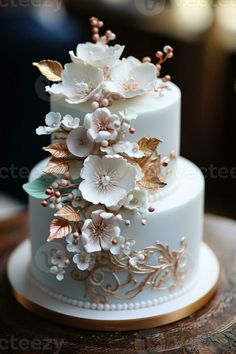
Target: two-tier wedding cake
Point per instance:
(117, 236)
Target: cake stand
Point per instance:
(29, 296)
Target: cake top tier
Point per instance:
(98, 75)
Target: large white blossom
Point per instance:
(80, 82)
(107, 180)
(133, 78)
(53, 123)
(97, 54)
(99, 231)
(101, 125)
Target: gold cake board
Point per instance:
(29, 296)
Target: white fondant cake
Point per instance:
(124, 225)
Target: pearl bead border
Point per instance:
(112, 307)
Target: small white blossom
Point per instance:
(138, 259)
(59, 259)
(83, 260)
(107, 180)
(53, 122)
(121, 246)
(124, 147)
(73, 243)
(98, 54)
(98, 232)
(69, 122)
(137, 199)
(129, 115)
(59, 272)
(101, 125)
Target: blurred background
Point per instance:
(203, 34)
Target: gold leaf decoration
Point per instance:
(68, 213)
(148, 144)
(57, 166)
(150, 163)
(52, 69)
(58, 150)
(161, 269)
(152, 173)
(59, 229)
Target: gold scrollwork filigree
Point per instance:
(125, 277)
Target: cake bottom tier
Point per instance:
(44, 304)
(170, 242)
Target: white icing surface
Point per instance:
(179, 214)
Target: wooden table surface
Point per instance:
(210, 330)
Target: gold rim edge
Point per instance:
(114, 325)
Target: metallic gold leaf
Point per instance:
(148, 144)
(59, 229)
(58, 150)
(52, 69)
(152, 172)
(58, 166)
(68, 213)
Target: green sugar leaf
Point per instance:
(37, 187)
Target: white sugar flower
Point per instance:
(98, 54)
(123, 147)
(83, 260)
(121, 246)
(137, 260)
(132, 150)
(129, 114)
(137, 199)
(79, 82)
(78, 142)
(59, 259)
(73, 243)
(107, 180)
(101, 125)
(59, 272)
(78, 200)
(53, 122)
(133, 78)
(98, 232)
(69, 122)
